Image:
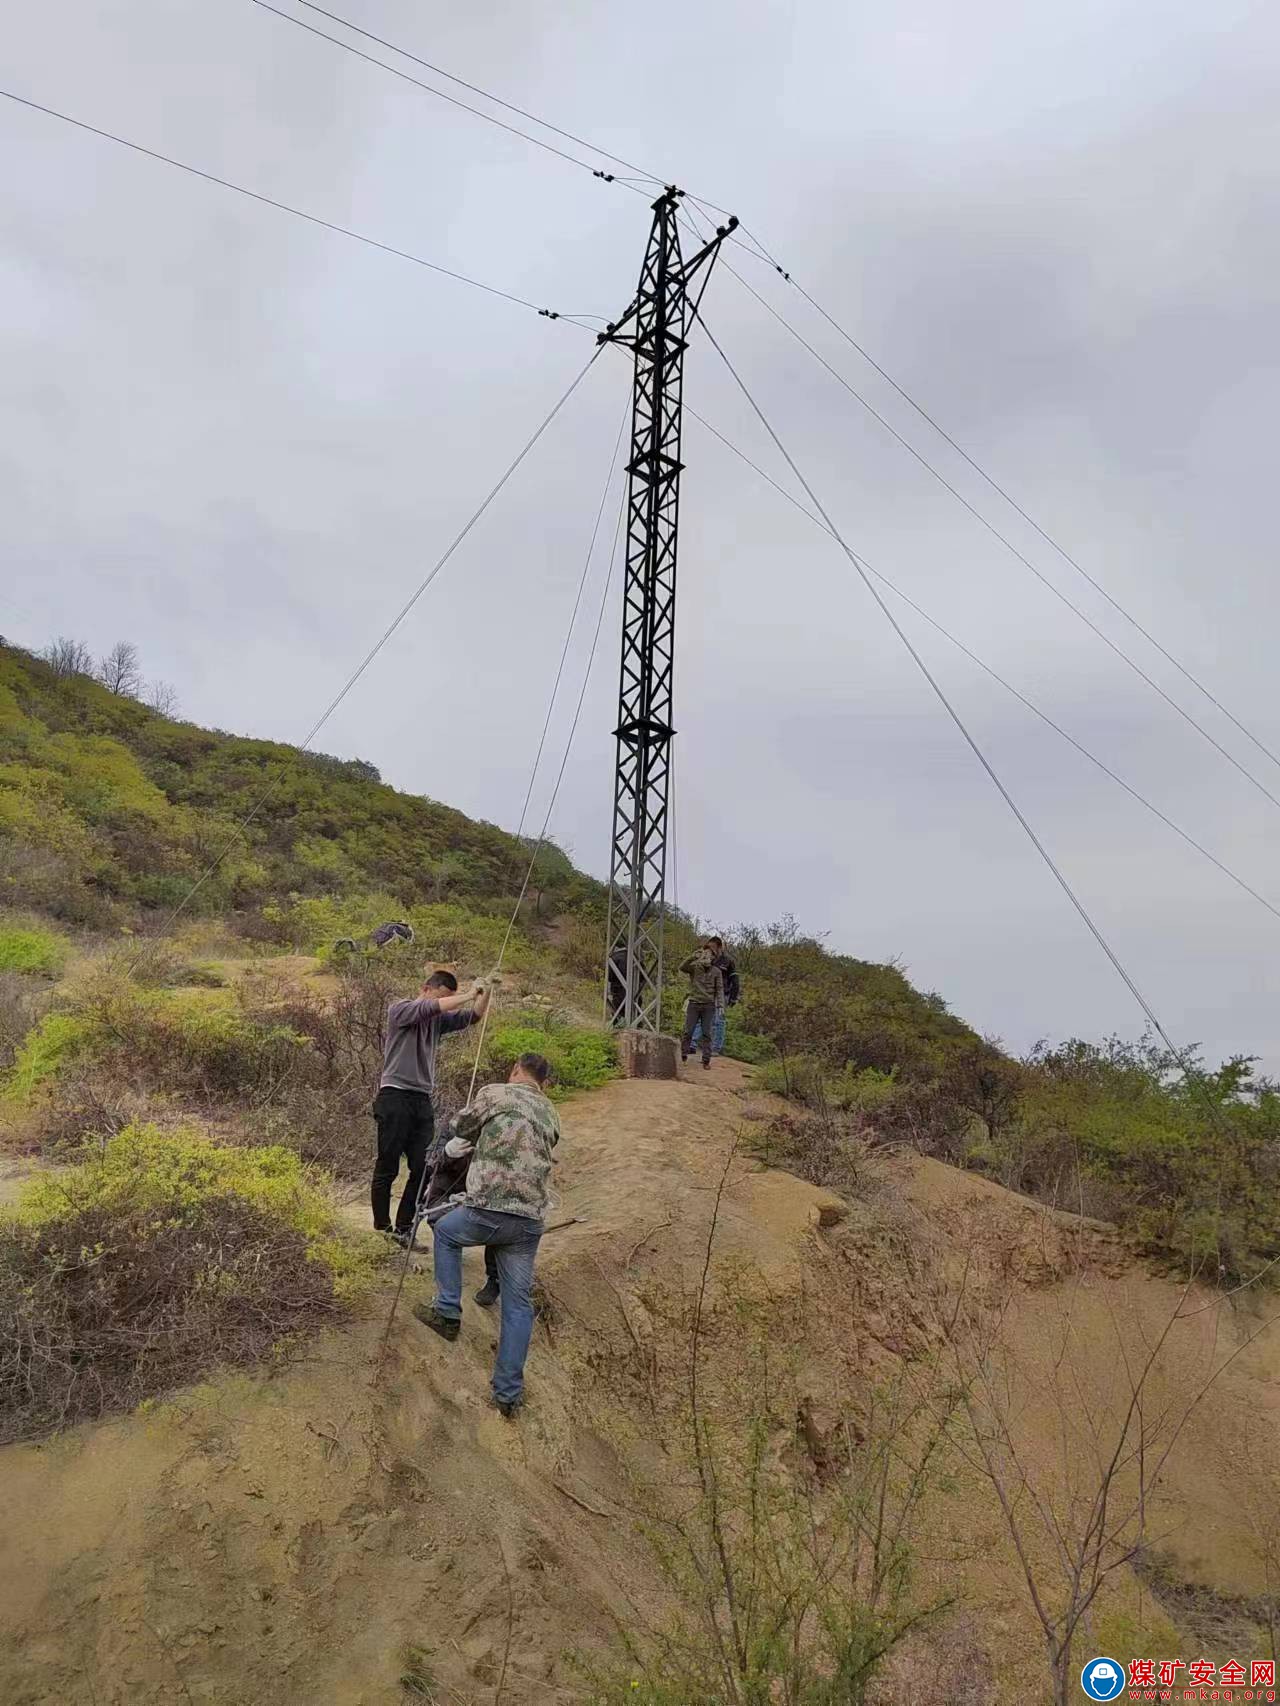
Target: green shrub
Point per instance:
(33, 949)
(57, 1038)
(190, 1042)
(156, 1258)
(580, 1059)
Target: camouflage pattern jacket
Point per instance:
(514, 1129)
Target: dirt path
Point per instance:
(272, 1540)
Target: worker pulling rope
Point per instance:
(487, 985)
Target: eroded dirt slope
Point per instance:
(288, 1538)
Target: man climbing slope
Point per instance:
(403, 1107)
(706, 1000)
(514, 1129)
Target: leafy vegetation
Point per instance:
(155, 1257)
(579, 1059)
(108, 809)
(32, 949)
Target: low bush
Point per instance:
(17, 1013)
(33, 949)
(827, 1149)
(199, 1046)
(579, 1059)
(157, 1257)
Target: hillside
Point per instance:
(873, 1366)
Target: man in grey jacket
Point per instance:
(403, 1107)
(706, 999)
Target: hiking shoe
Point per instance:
(445, 1325)
(706, 1066)
(488, 1294)
(403, 1239)
(508, 1408)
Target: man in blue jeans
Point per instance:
(513, 1129)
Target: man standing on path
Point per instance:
(706, 1000)
(402, 1107)
(514, 1129)
(732, 991)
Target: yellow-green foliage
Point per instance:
(579, 1059)
(443, 931)
(195, 1043)
(174, 1173)
(57, 1038)
(125, 805)
(31, 948)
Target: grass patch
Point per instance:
(32, 949)
(580, 1059)
(157, 1258)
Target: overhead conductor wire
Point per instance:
(285, 207)
(759, 251)
(995, 675)
(1030, 520)
(866, 579)
(1006, 542)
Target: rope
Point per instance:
(1006, 542)
(368, 658)
(424, 1188)
(281, 206)
(555, 792)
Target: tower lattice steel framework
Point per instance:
(656, 328)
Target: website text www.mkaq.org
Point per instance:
(1201, 1679)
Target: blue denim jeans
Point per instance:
(513, 1239)
(717, 1034)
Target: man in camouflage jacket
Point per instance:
(513, 1129)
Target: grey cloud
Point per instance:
(242, 441)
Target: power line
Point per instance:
(1008, 686)
(959, 722)
(395, 71)
(521, 112)
(372, 653)
(760, 252)
(282, 206)
(1029, 519)
(641, 179)
(1004, 540)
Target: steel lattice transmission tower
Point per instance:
(656, 328)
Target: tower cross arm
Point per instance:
(682, 277)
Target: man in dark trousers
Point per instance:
(732, 991)
(706, 999)
(402, 1108)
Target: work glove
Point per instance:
(457, 1147)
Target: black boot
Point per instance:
(488, 1294)
(445, 1325)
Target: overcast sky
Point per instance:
(240, 440)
